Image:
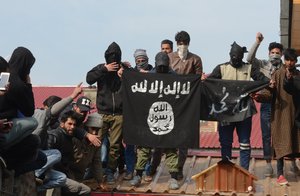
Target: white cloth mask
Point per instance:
(182, 51)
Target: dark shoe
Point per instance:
(110, 179)
(39, 182)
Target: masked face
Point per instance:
(162, 69)
(141, 63)
(236, 60)
(275, 59)
(182, 51)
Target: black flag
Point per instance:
(161, 110)
(228, 100)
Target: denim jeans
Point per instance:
(104, 149)
(22, 127)
(130, 158)
(265, 124)
(243, 129)
(280, 165)
(53, 157)
(54, 179)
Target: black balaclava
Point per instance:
(21, 62)
(162, 62)
(237, 55)
(113, 53)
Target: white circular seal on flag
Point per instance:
(161, 118)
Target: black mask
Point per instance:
(162, 62)
(162, 69)
(237, 55)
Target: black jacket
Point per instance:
(109, 99)
(58, 139)
(19, 97)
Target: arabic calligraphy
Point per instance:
(176, 88)
(161, 118)
(240, 106)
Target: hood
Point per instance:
(21, 62)
(3, 65)
(113, 53)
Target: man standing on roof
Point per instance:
(184, 62)
(109, 103)
(236, 69)
(267, 67)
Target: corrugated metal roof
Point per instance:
(195, 165)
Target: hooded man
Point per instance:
(236, 69)
(109, 103)
(19, 147)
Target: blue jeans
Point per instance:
(130, 158)
(53, 157)
(54, 179)
(265, 124)
(243, 129)
(22, 127)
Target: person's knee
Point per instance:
(61, 179)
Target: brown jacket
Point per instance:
(86, 156)
(285, 135)
(191, 65)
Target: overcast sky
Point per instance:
(69, 37)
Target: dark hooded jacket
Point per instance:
(19, 97)
(108, 83)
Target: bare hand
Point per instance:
(112, 66)
(143, 71)
(120, 72)
(272, 84)
(256, 96)
(203, 76)
(288, 74)
(94, 139)
(259, 37)
(5, 125)
(77, 90)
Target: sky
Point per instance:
(69, 37)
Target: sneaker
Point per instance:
(173, 184)
(281, 180)
(294, 169)
(148, 178)
(110, 179)
(136, 181)
(268, 170)
(39, 182)
(128, 176)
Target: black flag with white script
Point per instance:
(161, 110)
(228, 100)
